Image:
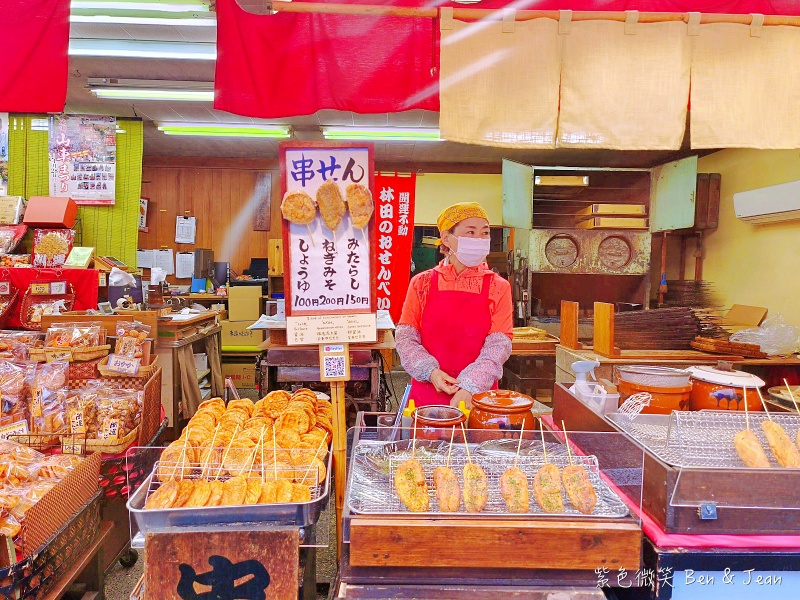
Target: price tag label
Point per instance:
(110, 430)
(36, 402)
(59, 355)
(101, 277)
(77, 423)
(58, 287)
(69, 446)
(5, 288)
(40, 289)
(18, 428)
(125, 365)
(332, 329)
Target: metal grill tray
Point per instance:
(296, 514)
(371, 487)
(702, 439)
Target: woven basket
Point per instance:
(144, 371)
(32, 577)
(121, 476)
(95, 445)
(78, 354)
(28, 301)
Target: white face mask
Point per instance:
(472, 251)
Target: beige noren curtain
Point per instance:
(500, 88)
(746, 88)
(624, 91)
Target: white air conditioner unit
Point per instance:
(769, 204)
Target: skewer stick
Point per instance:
(208, 456)
(450, 450)
(312, 464)
(519, 445)
(255, 451)
(414, 438)
(746, 410)
(181, 457)
(544, 446)
(566, 440)
(791, 395)
(310, 235)
(764, 404)
(466, 443)
(225, 454)
(274, 455)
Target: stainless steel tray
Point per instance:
(370, 488)
(701, 439)
(296, 514)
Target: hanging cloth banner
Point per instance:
(34, 67)
(394, 213)
(288, 64)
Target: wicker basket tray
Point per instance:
(144, 372)
(78, 354)
(95, 445)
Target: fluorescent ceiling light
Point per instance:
(119, 20)
(226, 129)
(169, 7)
(143, 49)
(383, 134)
(151, 89)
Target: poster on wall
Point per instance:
(4, 154)
(328, 227)
(83, 158)
(395, 222)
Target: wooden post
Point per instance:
(662, 285)
(569, 325)
(698, 258)
(682, 265)
(339, 455)
(604, 329)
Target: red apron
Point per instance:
(454, 327)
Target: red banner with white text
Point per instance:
(394, 215)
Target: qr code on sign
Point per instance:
(334, 366)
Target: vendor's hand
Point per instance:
(462, 395)
(443, 382)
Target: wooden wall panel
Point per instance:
(218, 197)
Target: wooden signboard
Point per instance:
(325, 271)
(222, 564)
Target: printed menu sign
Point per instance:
(333, 329)
(328, 220)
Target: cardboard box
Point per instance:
(243, 374)
(741, 317)
(244, 303)
(11, 210)
(236, 333)
(50, 211)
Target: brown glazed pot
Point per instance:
(500, 411)
(436, 422)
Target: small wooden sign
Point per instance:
(334, 362)
(5, 288)
(333, 329)
(40, 289)
(222, 564)
(124, 365)
(56, 355)
(72, 445)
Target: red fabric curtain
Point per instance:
(282, 65)
(34, 66)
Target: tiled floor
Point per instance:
(120, 582)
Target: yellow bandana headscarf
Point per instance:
(452, 215)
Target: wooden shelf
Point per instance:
(202, 374)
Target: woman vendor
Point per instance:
(455, 331)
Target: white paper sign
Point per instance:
(164, 259)
(184, 265)
(18, 428)
(125, 365)
(185, 230)
(333, 329)
(329, 272)
(145, 259)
